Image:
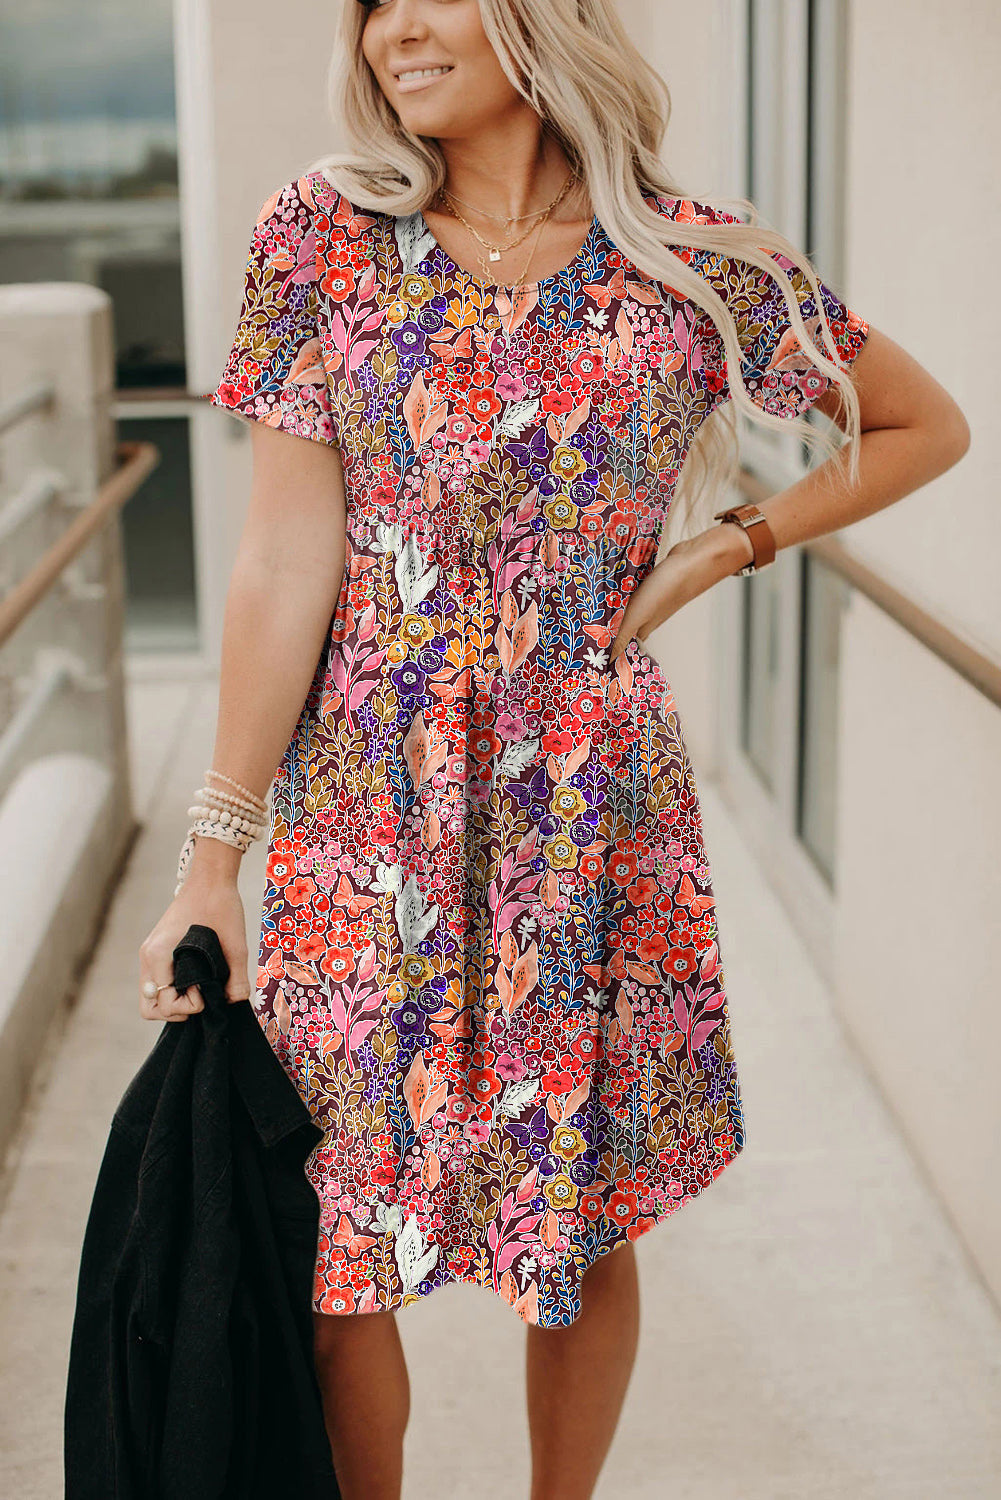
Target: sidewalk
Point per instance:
(812, 1328)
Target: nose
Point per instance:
(404, 19)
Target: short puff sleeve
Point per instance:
(275, 372)
(780, 376)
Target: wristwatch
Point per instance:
(758, 530)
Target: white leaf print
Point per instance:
(413, 239)
(388, 878)
(414, 1259)
(388, 538)
(517, 1095)
(412, 920)
(413, 581)
(387, 1218)
(515, 417)
(516, 755)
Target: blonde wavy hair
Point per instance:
(573, 61)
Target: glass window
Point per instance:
(89, 192)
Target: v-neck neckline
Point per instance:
(493, 286)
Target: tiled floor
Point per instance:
(811, 1326)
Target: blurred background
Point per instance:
(827, 1321)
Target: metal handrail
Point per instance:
(980, 670)
(135, 461)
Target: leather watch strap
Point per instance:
(759, 532)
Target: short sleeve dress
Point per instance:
(490, 959)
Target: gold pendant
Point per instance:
(495, 255)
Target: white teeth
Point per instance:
(421, 73)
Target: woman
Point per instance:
(489, 954)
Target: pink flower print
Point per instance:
(510, 726)
(509, 1067)
(511, 387)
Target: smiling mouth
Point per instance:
(422, 75)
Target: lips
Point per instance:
(425, 76)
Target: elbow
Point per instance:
(950, 436)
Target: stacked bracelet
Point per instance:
(233, 819)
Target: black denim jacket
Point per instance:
(191, 1371)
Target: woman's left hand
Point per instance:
(687, 570)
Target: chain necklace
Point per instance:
(495, 251)
(505, 219)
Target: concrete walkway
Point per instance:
(811, 1325)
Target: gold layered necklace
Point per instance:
(494, 251)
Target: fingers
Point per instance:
(156, 970)
(238, 985)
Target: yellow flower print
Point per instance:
(567, 803)
(416, 630)
(397, 651)
(415, 289)
(560, 512)
(415, 970)
(396, 992)
(562, 1192)
(567, 462)
(561, 852)
(398, 311)
(567, 1142)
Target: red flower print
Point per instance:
(590, 1205)
(643, 890)
(338, 963)
(484, 1083)
(338, 282)
(280, 863)
(587, 707)
(622, 867)
(620, 527)
(586, 1047)
(681, 962)
(558, 1081)
(483, 744)
(484, 405)
(299, 890)
(560, 403)
(622, 1207)
(652, 947)
(338, 1299)
(588, 366)
(310, 947)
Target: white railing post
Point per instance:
(66, 815)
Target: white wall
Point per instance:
(919, 883)
(919, 942)
(252, 113)
(691, 47)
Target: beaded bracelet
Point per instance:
(233, 820)
(251, 796)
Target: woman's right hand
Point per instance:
(210, 896)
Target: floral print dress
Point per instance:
(490, 959)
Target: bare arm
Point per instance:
(912, 431)
(283, 590)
